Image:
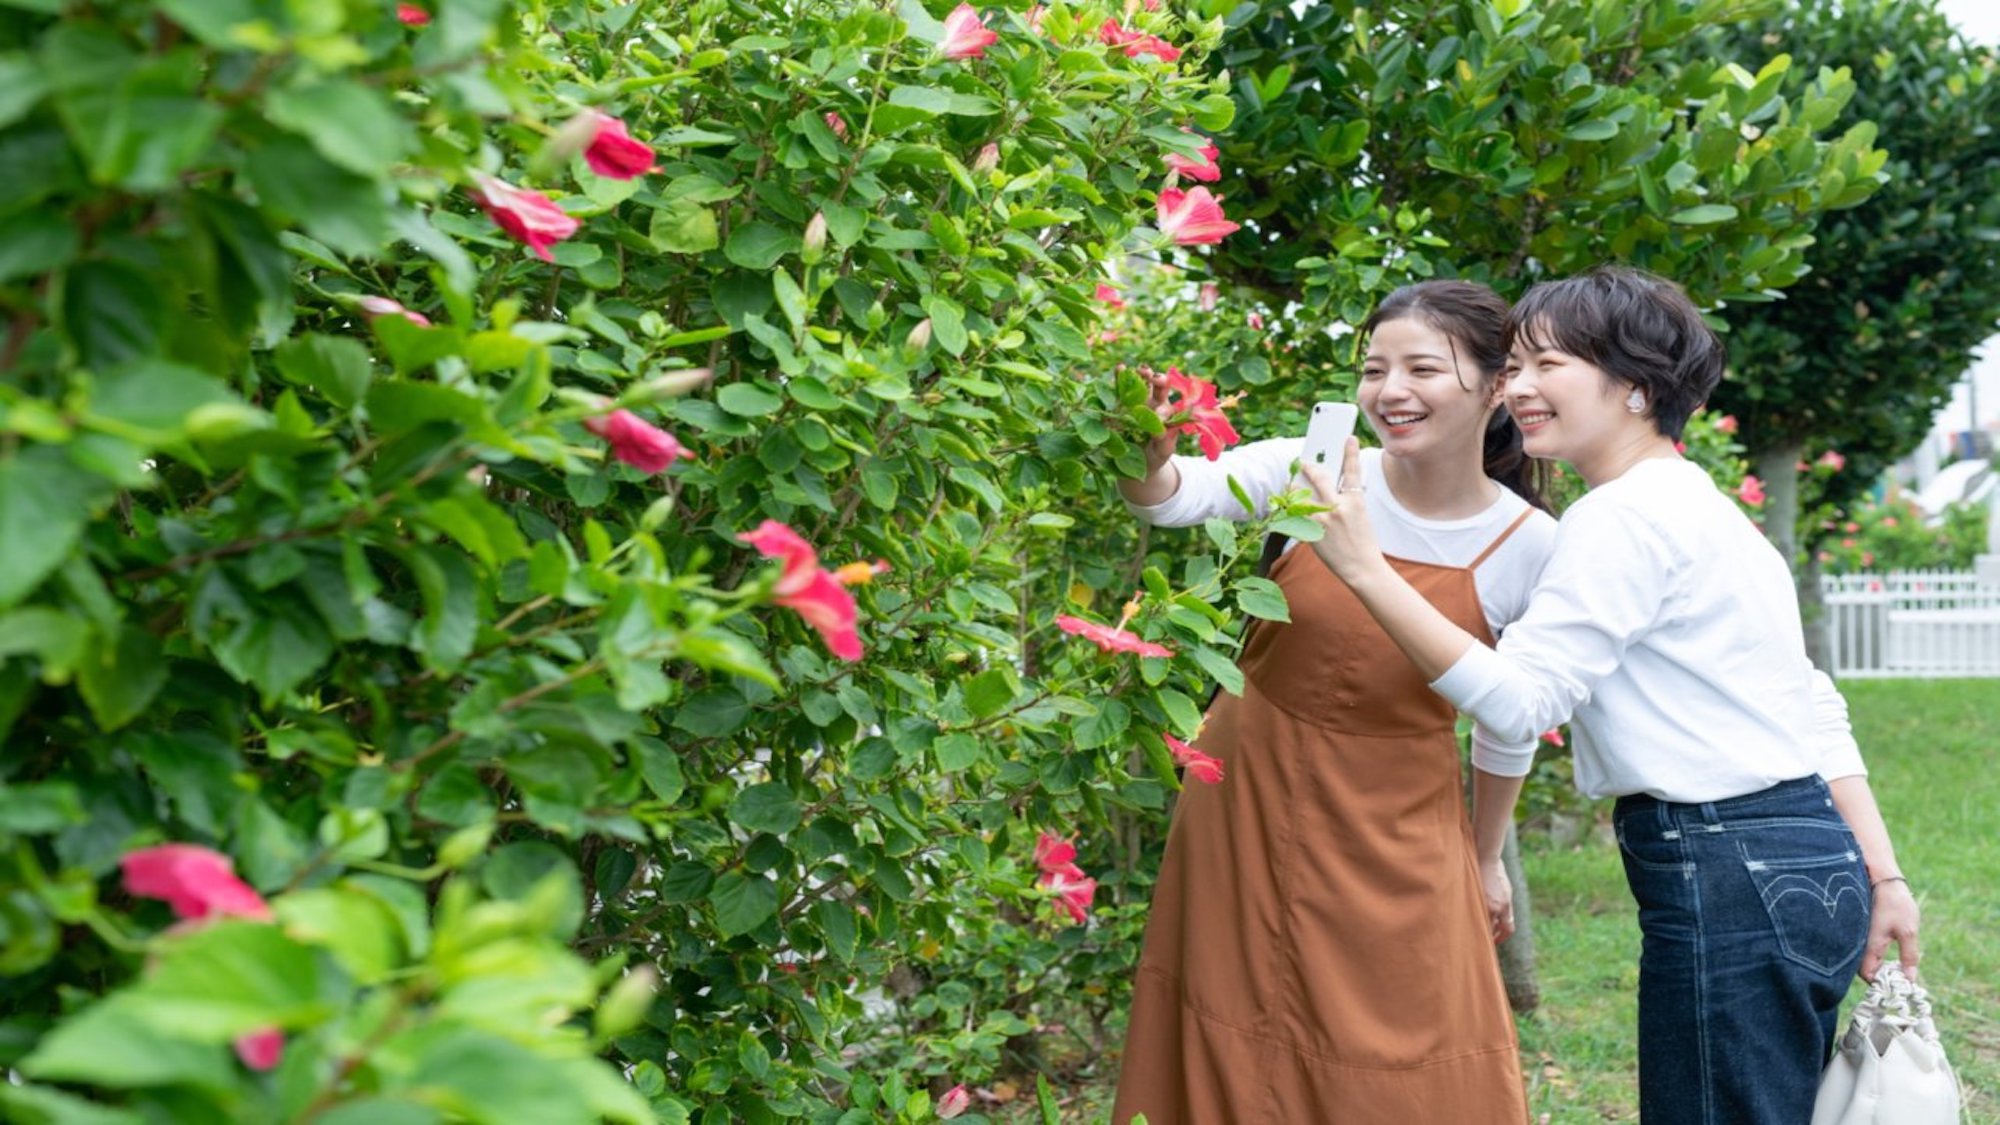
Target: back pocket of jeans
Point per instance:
(1818, 903)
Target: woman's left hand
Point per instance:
(1894, 918)
(1348, 548)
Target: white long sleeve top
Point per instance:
(1504, 581)
(1666, 630)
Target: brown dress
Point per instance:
(1318, 950)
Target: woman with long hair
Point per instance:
(1320, 946)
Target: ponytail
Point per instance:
(1508, 463)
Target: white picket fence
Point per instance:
(1912, 624)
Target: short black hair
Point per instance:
(1638, 328)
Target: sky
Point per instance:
(1980, 20)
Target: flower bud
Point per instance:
(674, 384)
(815, 239)
(987, 160)
(920, 336)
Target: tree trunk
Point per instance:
(1812, 614)
(1517, 953)
(1778, 468)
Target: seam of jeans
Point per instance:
(1692, 874)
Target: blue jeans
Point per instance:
(1754, 916)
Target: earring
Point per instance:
(1636, 401)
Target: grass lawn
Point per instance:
(1934, 751)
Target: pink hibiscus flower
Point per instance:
(966, 36)
(529, 216)
(1199, 766)
(615, 153)
(1192, 218)
(1205, 418)
(1109, 638)
(815, 594)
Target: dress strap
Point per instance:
(1526, 511)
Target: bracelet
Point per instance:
(1888, 879)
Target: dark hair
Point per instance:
(1473, 317)
(1638, 328)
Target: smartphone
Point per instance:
(1326, 435)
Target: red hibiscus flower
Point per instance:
(637, 442)
(1199, 766)
(1192, 218)
(1204, 169)
(196, 882)
(1110, 639)
(529, 216)
(1751, 491)
(1195, 398)
(1109, 295)
(1074, 891)
(966, 36)
(1052, 852)
(615, 154)
(1136, 43)
(954, 1102)
(815, 594)
(413, 15)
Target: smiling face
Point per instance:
(1568, 408)
(1420, 392)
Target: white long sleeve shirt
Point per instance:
(1666, 630)
(1504, 581)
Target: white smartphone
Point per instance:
(1331, 425)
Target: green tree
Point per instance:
(1859, 356)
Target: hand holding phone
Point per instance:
(1327, 432)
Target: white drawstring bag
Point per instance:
(1890, 1068)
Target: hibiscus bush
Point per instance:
(557, 557)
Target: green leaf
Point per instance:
(1222, 668)
(39, 807)
(44, 504)
(119, 680)
(114, 1044)
(450, 623)
(712, 712)
(759, 245)
(837, 927)
(41, 1105)
(34, 242)
(660, 767)
(743, 902)
(1703, 215)
(112, 313)
(947, 323)
(276, 647)
(155, 396)
(21, 86)
(356, 928)
(768, 807)
(989, 691)
(748, 400)
(350, 124)
(336, 366)
(1261, 597)
(338, 207)
(931, 101)
(1598, 130)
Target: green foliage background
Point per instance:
(561, 818)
